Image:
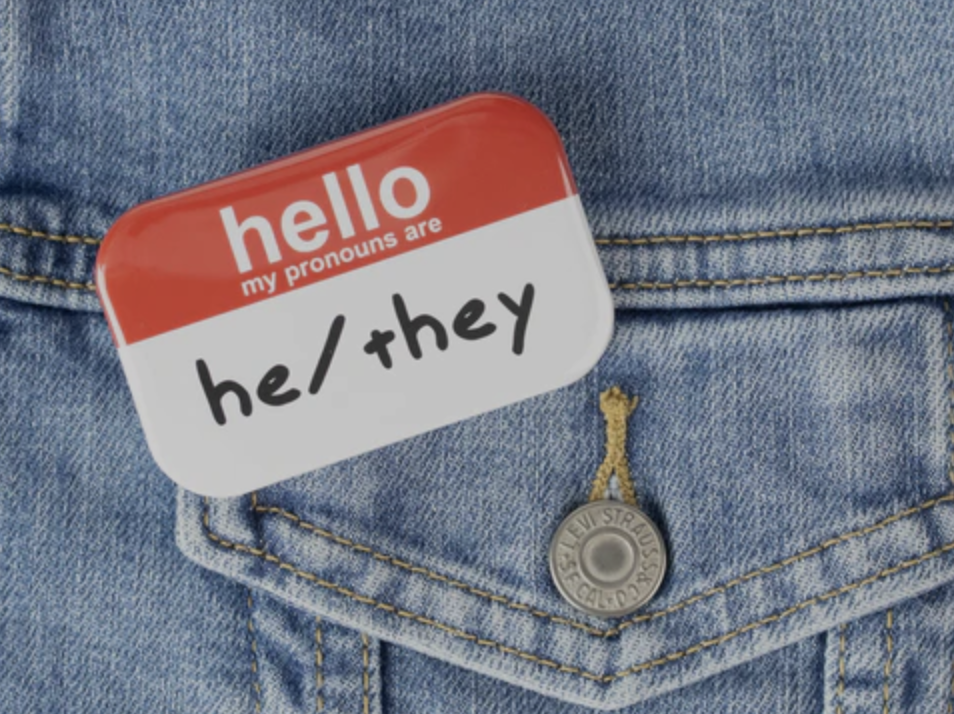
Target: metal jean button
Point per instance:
(607, 558)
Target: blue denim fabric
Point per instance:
(771, 189)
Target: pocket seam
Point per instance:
(919, 224)
(56, 238)
(606, 678)
(842, 663)
(43, 279)
(589, 629)
(635, 285)
(365, 676)
(766, 280)
(916, 224)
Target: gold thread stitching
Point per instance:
(777, 279)
(649, 240)
(256, 687)
(42, 279)
(616, 408)
(319, 663)
(32, 233)
(840, 689)
(569, 669)
(642, 285)
(949, 323)
(889, 656)
(783, 233)
(613, 631)
(366, 679)
(871, 579)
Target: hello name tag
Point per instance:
(354, 294)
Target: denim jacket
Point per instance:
(771, 187)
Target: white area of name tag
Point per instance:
(361, 405)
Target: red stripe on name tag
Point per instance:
(326, 211)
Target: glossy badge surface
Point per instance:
(354, 294)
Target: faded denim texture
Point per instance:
(771, 189)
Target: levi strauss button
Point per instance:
(354, 294)
(607, 558)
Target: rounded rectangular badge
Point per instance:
(354, 294)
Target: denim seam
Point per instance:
(365, 676)
(782, 233)
(638, 285)
(33, 233)
(888, 660)
(949, 326)
(777, 279)
(842, 652)
(648, 240)
(564, 668)
(57, 282)
(589, 629)
(319, 665)
(604, 678)
(256, 686)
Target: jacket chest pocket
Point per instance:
(791, 442)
